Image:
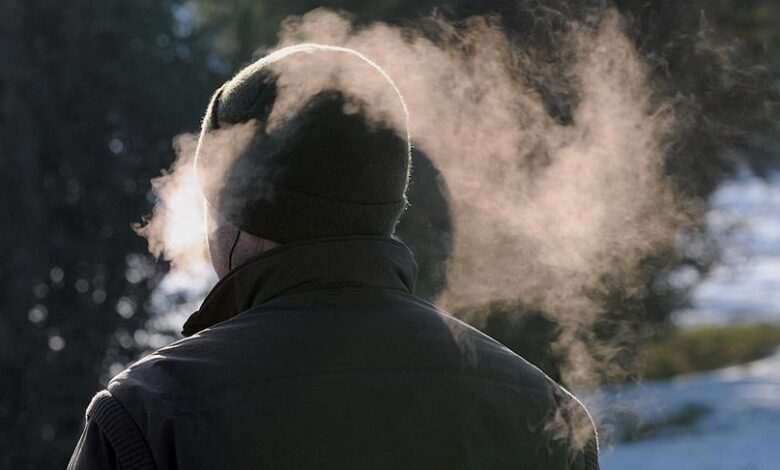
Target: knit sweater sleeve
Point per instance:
(111, 439)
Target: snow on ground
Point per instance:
(726, 419)
(745, 287)
(738, 425)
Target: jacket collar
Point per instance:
(365, 260)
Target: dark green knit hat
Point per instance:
(320, 172)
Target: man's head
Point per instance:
(323, 169)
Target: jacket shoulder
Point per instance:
(567, 421)
(152, 393)
(160, 378)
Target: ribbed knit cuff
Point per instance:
(126, 439)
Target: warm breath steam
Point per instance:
(543, 211)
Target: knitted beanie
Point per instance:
(321, 172)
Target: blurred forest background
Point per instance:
(91, 94)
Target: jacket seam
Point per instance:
(541, 390)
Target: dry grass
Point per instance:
(708, 348)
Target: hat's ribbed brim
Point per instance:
(283, 215)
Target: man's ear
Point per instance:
(221, 236)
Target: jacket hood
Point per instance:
(355, 261)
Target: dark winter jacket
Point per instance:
(317, 355)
